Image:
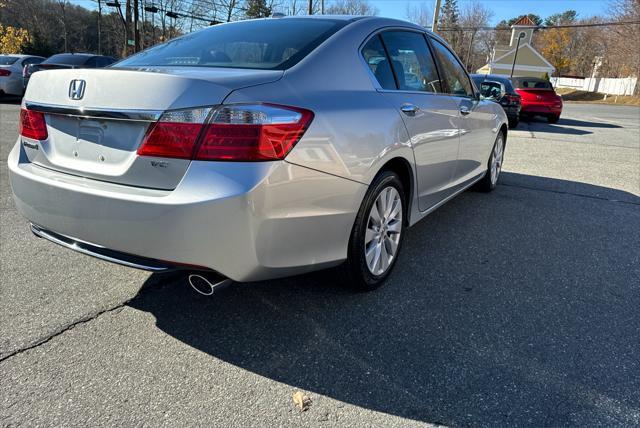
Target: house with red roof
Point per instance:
(528, 61)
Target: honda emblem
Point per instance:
(76, 89)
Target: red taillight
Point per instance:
(253, 133)
(33, 125)
(232, 133)
(514, 99)
(4, 72)
(171, 140)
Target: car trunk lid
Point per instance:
(537, 95)
(97, 136)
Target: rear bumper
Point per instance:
(103, 253)
(542, 109)
(512, 112)
(246, 221)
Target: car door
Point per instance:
(475, 122)
(404, 68)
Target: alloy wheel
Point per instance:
(383, 231)
(496, 160)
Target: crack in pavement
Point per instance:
(561, 192)
(63, 330)
(154, 285)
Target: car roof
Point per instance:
(353, 18)
(75, 54)
(491, 76)
(21, 55)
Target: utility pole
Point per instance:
(116, 4)
(322, 7)
(99, 25)
(436, 13)
(515, 55)
(473, 35)
(127, 14)
(136, 28)
(310, 7)
(152, 10)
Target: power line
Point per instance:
(544, 27)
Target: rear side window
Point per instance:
(457, 80)
(32, 60)
(269, 44)
(105, 61)
(376, 58)
(91, 62)
(412, 61)
(8, 60)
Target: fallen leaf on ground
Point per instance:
(301, 400)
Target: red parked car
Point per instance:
(538, 98)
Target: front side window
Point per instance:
(457, 81)
(412, 61)
(270, 44)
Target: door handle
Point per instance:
(464, 110)
(408, 109)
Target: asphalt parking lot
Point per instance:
(515, 308)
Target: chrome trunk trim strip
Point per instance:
(95, 113)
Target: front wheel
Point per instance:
(494, 166)
(376, 237)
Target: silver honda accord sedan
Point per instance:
(256, 149)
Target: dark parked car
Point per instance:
(500, 89)
(538, 98)
(67, 60)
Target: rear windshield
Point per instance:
(269, 44)
(531, 83)
(8, 60)
(505, 81)
(67, 59)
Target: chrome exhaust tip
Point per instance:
(201, 284)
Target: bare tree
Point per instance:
(300, 7)
(473, 16)
(352, 7)
(420, 14)
(63, 19)
(622, 57)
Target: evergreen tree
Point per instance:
(449, 17)
(450, 14)
(257, 9)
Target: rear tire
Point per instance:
(376, 237)
(554, 118)
(494, 166)
(513, 122)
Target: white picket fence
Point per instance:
(604, 85)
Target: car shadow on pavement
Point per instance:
(517, 307)
(564, 126)
(589, 124)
